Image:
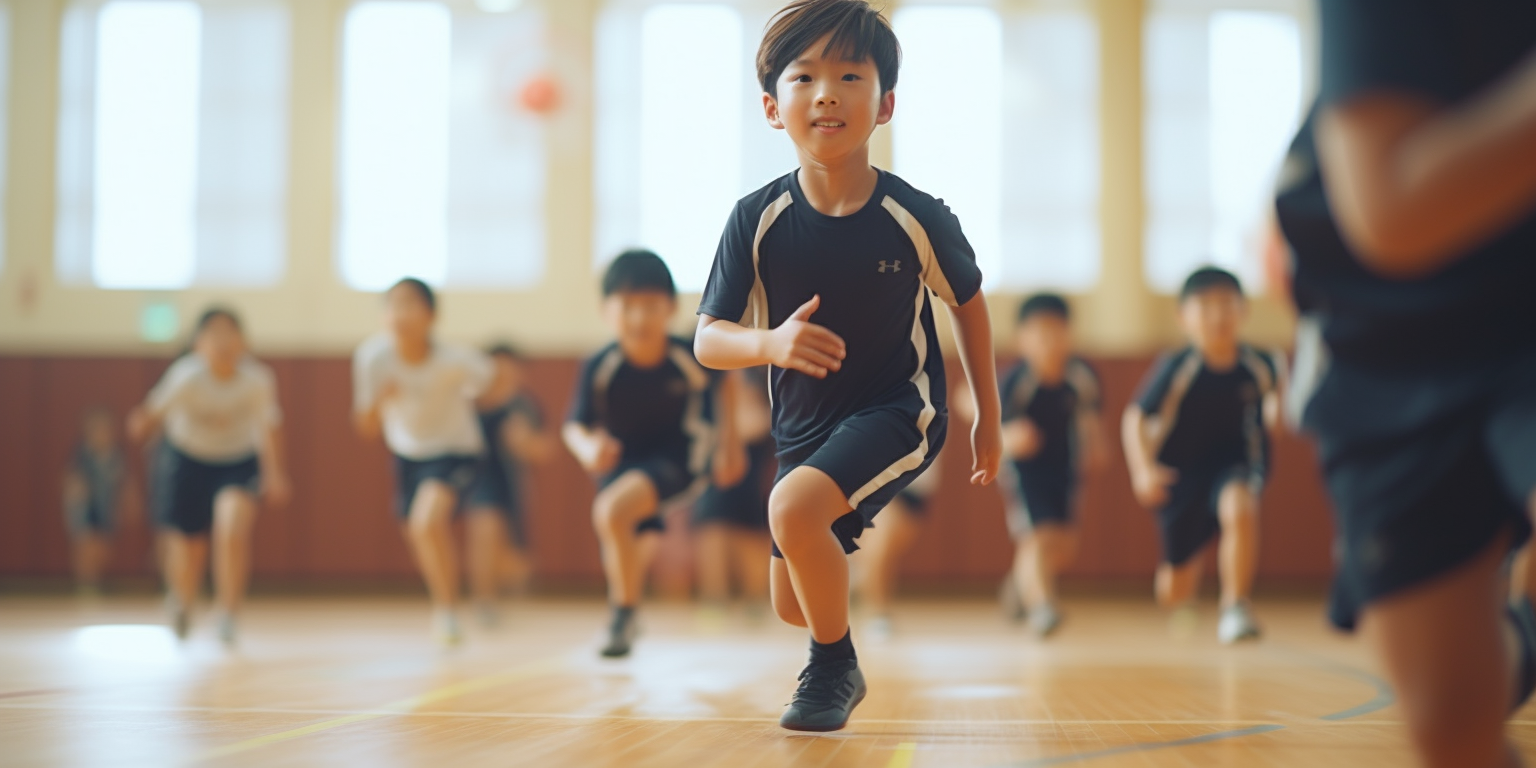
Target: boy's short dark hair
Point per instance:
(859, 33)
(638, 270)
(1044, 304)
(1208, 278)
(504, 349)
(216, 313)
(423, 290)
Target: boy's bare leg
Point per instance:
(1048, 550)
(712, 548)
(429, 529)
(1238, 553)
(91, 555)
(785, 603)
(186, 560)
(234, 516)
(487, 534)
(748, 548)
(615, 513)
(1444, 647)
(800, 513)
(1176, 584)
(1522, 577)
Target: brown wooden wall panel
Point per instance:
(341, 525)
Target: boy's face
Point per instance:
(828, 106)
(639, 319)
(510, 371)
(1212, 317)
(1045, 339)
(100, 432)
(406, 314)
(220, 343)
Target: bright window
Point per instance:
(1028, 204)
(172, 144)
(441, 170)
(680, 130)
(1224, 89)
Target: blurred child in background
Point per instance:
(516, 438)
(95, 489)
(420, 394)
(884, 545)
(221, 450)
(1197, 441)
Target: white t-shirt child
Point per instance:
(433, 412)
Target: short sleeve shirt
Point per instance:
(432, 415)
(212, 420)
(873, 269)
(1443, 51)
(1057, 411)
(1199, 416)
(665, 410)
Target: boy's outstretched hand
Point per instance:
(800, 345)
(986, 451)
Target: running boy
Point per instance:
(825, 275)
(419, 393)
(512, 426)
(1410, 204)
(641, 424)
(1052, 433)
(1196, 439)
(222, 448)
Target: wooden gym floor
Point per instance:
(356, 682)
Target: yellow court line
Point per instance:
(903, 756)
(401, 707)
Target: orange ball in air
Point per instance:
(540, 95)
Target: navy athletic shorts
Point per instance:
(668, 473)
(866, 456)
(184, 488)
(456, 472)
(1425, 471)
(1034, 497)
(1190, 518)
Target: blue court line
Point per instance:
(1385, 697)
(1148, 747)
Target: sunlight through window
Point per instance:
(146, 144)
(394, 143)
(690, 133)
(947, 135)
(1224, 97)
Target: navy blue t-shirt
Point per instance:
(665, 410)
(1200, 416)
(873, 270)
(500, 463)
(1057, 411)
(1477, 309)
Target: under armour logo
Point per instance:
(890, 266)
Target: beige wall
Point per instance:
(312, 312)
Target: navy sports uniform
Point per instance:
(102, 475)
(500, 483)
(1208, 426)
(1041, 488)
(662, 417)
(878, 422)
(1422, 392)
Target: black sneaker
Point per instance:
(827, 695)
(621, 635)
